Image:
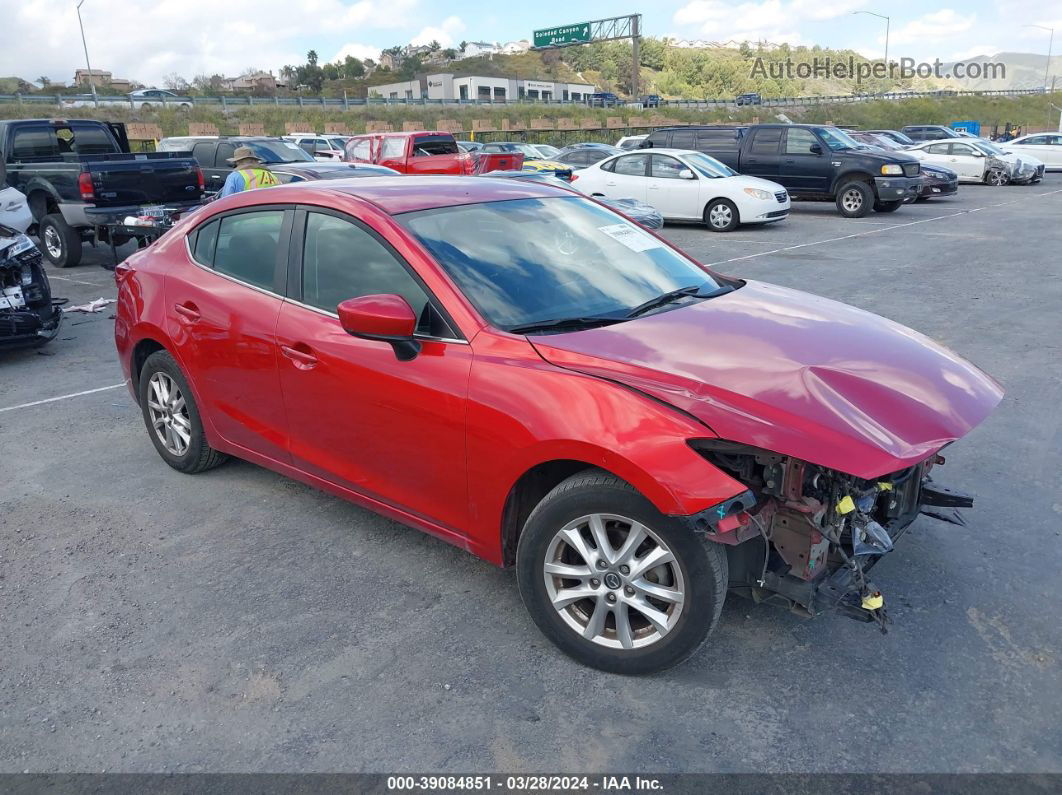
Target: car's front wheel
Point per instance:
(172, 416)
(854, 199)
(613, 582)
(721, 215)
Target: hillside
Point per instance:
(1023, 70)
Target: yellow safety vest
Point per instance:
(257, 178)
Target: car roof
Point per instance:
(395, 195)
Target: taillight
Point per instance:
(202, 180)
(84, 184)
(573, 177)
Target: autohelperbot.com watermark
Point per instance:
(849, 68)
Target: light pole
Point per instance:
(88, 66)
(1050, 46)
(879, 16)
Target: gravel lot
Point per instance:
(238, 621)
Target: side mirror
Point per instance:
(686, 174)
(815, 149)
(387, 318)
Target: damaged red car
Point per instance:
(532, 377)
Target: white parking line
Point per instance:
(77, 281)
(62, 397)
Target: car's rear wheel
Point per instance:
(854, 199)
(721, 215)
(61, 242)
(613, 582)
(172, 417)
(888, 207)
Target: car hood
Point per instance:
(793, 373)
(740, 182)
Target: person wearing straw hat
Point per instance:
(248, 173)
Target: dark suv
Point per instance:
(751, 98)
(929, 132)
(213, 153)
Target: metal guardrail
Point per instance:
(87, 100)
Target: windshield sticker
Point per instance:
(632, 237)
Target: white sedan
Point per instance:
(1045, 146)
(686, 186)
(979, 161)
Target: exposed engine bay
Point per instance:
(806, 537)
(28, 313)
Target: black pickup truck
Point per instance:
(79, 176)
(811, 161)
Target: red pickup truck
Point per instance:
(419, 152)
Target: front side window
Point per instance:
(342, 260)
(961, 149)
(800, 141)
(666, 167)
(631, 165)
(527, 261)
(247, 247)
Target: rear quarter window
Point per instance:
(203, 241)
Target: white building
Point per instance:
(474, 49)
(515, 47)
(449, 87)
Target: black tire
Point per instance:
(888, 207)
(701, 563)
(60, 242)
(854, 199)
(199, 455)
(721, 215)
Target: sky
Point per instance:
(147, 40)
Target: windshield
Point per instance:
(278, 152)
(547, 151)
(526, 261)
(709, 166)
(835, 139)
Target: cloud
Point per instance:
(443, 33)
(769, 20)
(42, 37)
(932, 27)
(359, 51)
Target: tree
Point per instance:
(352, 67)
(45, 82)
(311, 57)
(434, 46)
(449, 53)
(174, 82)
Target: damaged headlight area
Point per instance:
(806, 537)
(28, 313)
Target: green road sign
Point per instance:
(579, 33)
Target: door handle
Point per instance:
(611, 184)
(303, 359)
(187, 310)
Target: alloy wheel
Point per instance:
(169, 414)
(852, 200)
(52, 243)
(720, 216)
(614, 581)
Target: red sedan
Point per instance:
(528, 375)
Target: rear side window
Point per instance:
(205, 241)
(34, 142)
(716, 141)
(631, 165)
(361, 150)
(225, 151)
(91, 139)
(203, 152)
(427, 145)
(683, 139)
(393, 148)
(766, 141)
(247, 247)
